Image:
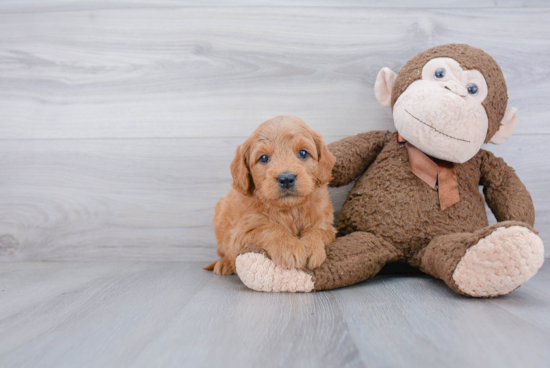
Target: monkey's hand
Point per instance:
(355, 154)
(504, 192)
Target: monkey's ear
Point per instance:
(507, 126)
(384, 85)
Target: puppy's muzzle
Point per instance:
(286, 180)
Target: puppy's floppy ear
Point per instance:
(326, 159)
(242, 179)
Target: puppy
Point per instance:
(279, 200)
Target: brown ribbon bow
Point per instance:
(433, 171)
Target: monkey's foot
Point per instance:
(257, 271)
(500, 262)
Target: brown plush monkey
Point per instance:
(416, 197)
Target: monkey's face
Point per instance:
(442, 113)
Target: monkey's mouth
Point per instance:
(429, 126)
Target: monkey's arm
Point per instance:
(355, 154)
(504, 192)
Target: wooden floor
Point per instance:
(174, 314)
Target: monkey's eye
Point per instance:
(440, 73)
(472, 89)
(264, 159)
(303, 154)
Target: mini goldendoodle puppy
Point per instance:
(279, 200)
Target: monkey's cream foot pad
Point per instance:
(500, 263)
(260, 273)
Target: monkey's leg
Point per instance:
(350, 259)
(490, 262)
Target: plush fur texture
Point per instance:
(391, 215)
(453, 126)
(469, 58)
(498, 263)
(443, 255)
(404, 210)
(293, 224)
(261, 274)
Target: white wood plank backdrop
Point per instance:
(118, 119)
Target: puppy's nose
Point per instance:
(286, 180)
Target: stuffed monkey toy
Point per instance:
(416, 197)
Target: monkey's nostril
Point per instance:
(286, 180)
(456, 88)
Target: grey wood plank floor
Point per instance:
(174, 314)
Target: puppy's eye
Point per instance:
(440, 73)
(264, 159)
(472, 89)
(303, 154)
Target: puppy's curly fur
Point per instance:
(292, 224)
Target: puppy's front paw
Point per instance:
(292, 255)
(224, 267)
(317, 257)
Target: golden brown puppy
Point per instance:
(279, 200)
